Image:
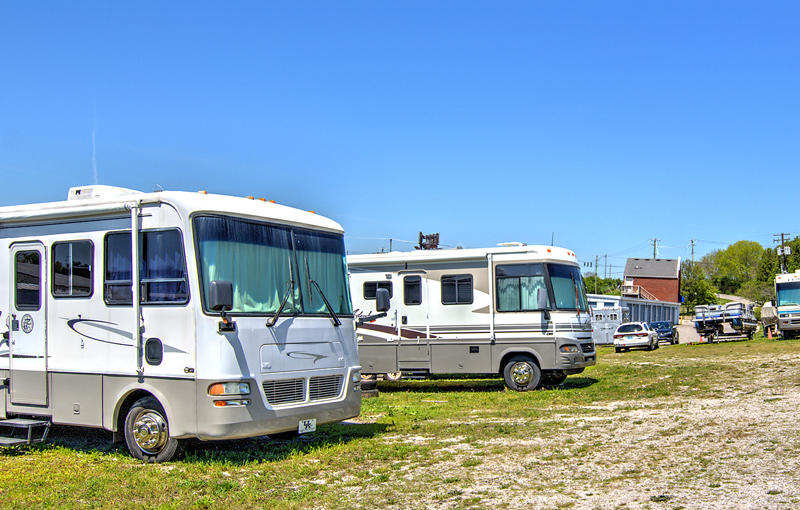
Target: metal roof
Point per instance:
(652, 268)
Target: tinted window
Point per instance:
(72, 269)
(370, 288)
(412, 290)
(457, 289)
(27, 280)
(629, 328)
(162, 268)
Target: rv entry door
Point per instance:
(27, 324)
(413, 325)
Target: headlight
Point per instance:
(569, 348)
(229, 388)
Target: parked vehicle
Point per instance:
(517, 311)
(787, 301)
(665, 331)
(171, 315)
(635, 334)
(730, 321)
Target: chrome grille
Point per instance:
(587, 347)
(285, 391)
(328, 386)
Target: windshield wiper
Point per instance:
(289, 288)
(334, 318)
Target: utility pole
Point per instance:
(655, 246)
(596, 276)
(605, 271)
(782, 249)
(692, 243)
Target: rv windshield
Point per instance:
(256, 258)
(567, 286)
(788, 293)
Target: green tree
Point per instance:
(608, 286)
(731, 268)
(696, 288)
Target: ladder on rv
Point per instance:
(23, 431)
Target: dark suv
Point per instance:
(665, 331)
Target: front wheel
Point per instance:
(521, 373)
(147, 432)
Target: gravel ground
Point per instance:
(736, 449)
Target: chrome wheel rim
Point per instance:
(150, 431)
(521, 373)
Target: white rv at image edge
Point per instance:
(517, 311)
(240, 325)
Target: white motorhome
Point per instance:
(787, 301)
(517, 311)
(239, 324)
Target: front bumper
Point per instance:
(575, 360)
(259, 418)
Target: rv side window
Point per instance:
(519, 287)
(27, 280)
(162, 268)
(412, 290)
(457, 289)
(371, 288)
(72, 269)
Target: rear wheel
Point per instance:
(393, 376)
(521, 373)
(553, 378)
(618, 349)
(147, 432)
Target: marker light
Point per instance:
(231, 403)
(229, 388)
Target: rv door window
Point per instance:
(72, 269)
(412, 290)
(162, 268)
(27, 280)
(457, 289)
(518, 286)
(371, 288)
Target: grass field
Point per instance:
(684, 426)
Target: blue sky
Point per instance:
(604, 124)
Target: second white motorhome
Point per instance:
(172, 315)
(517, 311)
(787, 302)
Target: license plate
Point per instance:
(304, 426)
(630, 338)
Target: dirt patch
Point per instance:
(739, 450)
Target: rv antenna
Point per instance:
(552, 238)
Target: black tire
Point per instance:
(618, 349)
(147, 432)
(521, 373)
(289, 435)
(553, 379)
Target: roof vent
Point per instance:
(511, 243)
(98, 191)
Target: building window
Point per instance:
(27, 280)
(72, 269)
(613, 317)
(162, 268)
(371, 288)
(598, 317)
(412, 290)
(608, 304)
(457, 289)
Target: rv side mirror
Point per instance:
(220, 296)
(382, 300)
(541, 298)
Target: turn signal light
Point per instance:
(229, 388)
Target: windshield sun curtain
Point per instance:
(519, 285)
(265, 262)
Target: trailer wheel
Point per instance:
(393, 376)
(617, 349)
(521, 373)
(147, 432)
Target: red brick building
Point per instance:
(653, 279)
